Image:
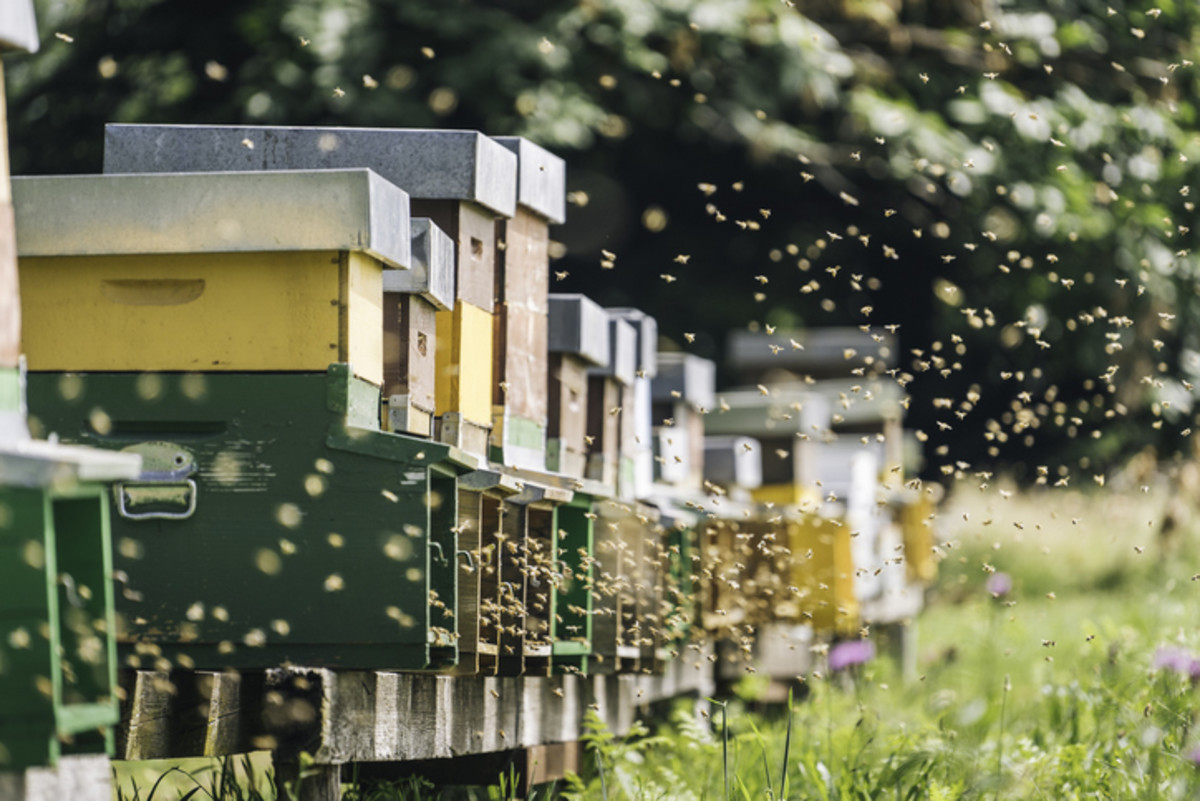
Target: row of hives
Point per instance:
(371, 439)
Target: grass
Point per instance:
(1051, 692)
(248, 777)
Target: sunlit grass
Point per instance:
(1048, 692)
(247, 777)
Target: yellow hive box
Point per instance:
(917, 531)
(210, 272)
(823, 571)
(203, 312)
(464, 363)
(789, 494)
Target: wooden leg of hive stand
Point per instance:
(314, 783)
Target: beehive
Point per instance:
(789, 422)
(636, 475)
(521, 314)
(578, 340)
(57, 619)
(220, 310)
(572, 610)
(411, 301)
(218, 273)
(733, 462)
(683, 392)
(916, 526)
(608, 423)
(825, 579)
(461, 180)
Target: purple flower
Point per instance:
(1177, 660)
(846, 654)
(999, 584)
(1193, 756)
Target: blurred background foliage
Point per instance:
(1006, 181)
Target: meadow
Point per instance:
(1079, 681)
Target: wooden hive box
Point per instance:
(572, 608)
(231, 272)
(462, 180)
(636, 473)
(486, 520)
(578, 340)
(916, 526)
(521, 314)
(220, 311)
(827, 597)
(57, 614)
(757, 357)
(733, 461)
(683, 393)
(411, 300)
(789, 423)
(609, 432)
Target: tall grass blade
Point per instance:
(762, 745)
(725, 745)
(787, 750)
(600, 770)
(154, 787)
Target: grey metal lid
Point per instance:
(18, 26)
(693, 378)
(834, 349)
(622, 351)
(90, 215)
(541, 179)
(428, 164)
(580, 327)
(647, 339)
(432, 273)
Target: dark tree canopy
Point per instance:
(1007, 182)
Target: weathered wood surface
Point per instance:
(78, 778)
(342, 717)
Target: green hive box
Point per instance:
(234, 341)
(57, 651)
(273, 522)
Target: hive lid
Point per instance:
(541, 179)
(622, 352)
(18, 27)
(92, 215)
(432, 273)
(580, 327)
(428, 164)
(694, 378)
(39, 463)
(647, 339)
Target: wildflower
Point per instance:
(999, 584)
(1193, 756)
(847, 654)
(1177, 660)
